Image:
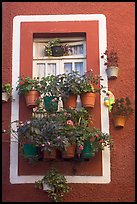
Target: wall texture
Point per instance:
(120, 18)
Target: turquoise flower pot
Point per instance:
(51, 104)
(30, 151)
(88, 151)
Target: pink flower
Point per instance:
(97, 135)
(54, 99)
(43, 145)
(48, 143)
(101, 141)
(70, 122)
(58, 137)
(92, 139)
(81, 147)
(28, 122)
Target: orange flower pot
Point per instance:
(88, 100)
(119, 121)
(50, 155)
(69, 153)
(31, 98)
(70, 102)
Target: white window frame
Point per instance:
(20, 179)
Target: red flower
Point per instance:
(92, 139)
(21, 82)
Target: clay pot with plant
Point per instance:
(55, 184)
(70, 89)
(6, 92)
(30, 88)
(111, 61)
(121, 110)
(89, 86)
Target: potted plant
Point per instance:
(55, 48)
(121, 110)
(69, 88)
(55, 184)
(50, 90)
(96, 141)
(111, 61)
(28, 136)
(6, 91)
(89, 86)
(30, 88)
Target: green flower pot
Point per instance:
(88, 151)
(51, 104)
(30, 151)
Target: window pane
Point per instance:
(77, 50)
(51, 68)
(67, 67)
(79, 67)
(39, 70)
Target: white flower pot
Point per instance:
(112, 72)
(46, 187)
(5, 97)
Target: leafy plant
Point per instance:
(90, 83)
(7, 88)
(56, 42)
(50, 85)
(110, 58)
(69, 83)
(57, 185)
(26, 84)
(122, 107)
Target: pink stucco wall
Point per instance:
(120, 35)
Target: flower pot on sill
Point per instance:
(5, 97)
(51, 103)
(88, 100)
(119, 120)
(88, 151)
(70, 101)
(31, 98)
(57, 51)
(50, 155)
(69, 153)
(30, 151)
(112, 72)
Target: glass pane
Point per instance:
(79, 67)
(67, 67)
(39, 70)
(51, 69)
(77, 50)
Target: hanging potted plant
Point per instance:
(50, 91)
(56, 49)
(55, 184)
(111, 61)
(96, 141)
(28, 136)
(30, 88)
(121, 110)
(6, 92)
(69, 88)
(89, 86)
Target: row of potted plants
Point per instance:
(64, 86)
(66, 131)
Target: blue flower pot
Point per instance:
(51, 105)
(88, 151)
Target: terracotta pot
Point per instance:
(112, 72)
(70, 102)
(69, 153)
(31, 97)
(50, 155)
(5, 97)
(119, 121)
(88, 100)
